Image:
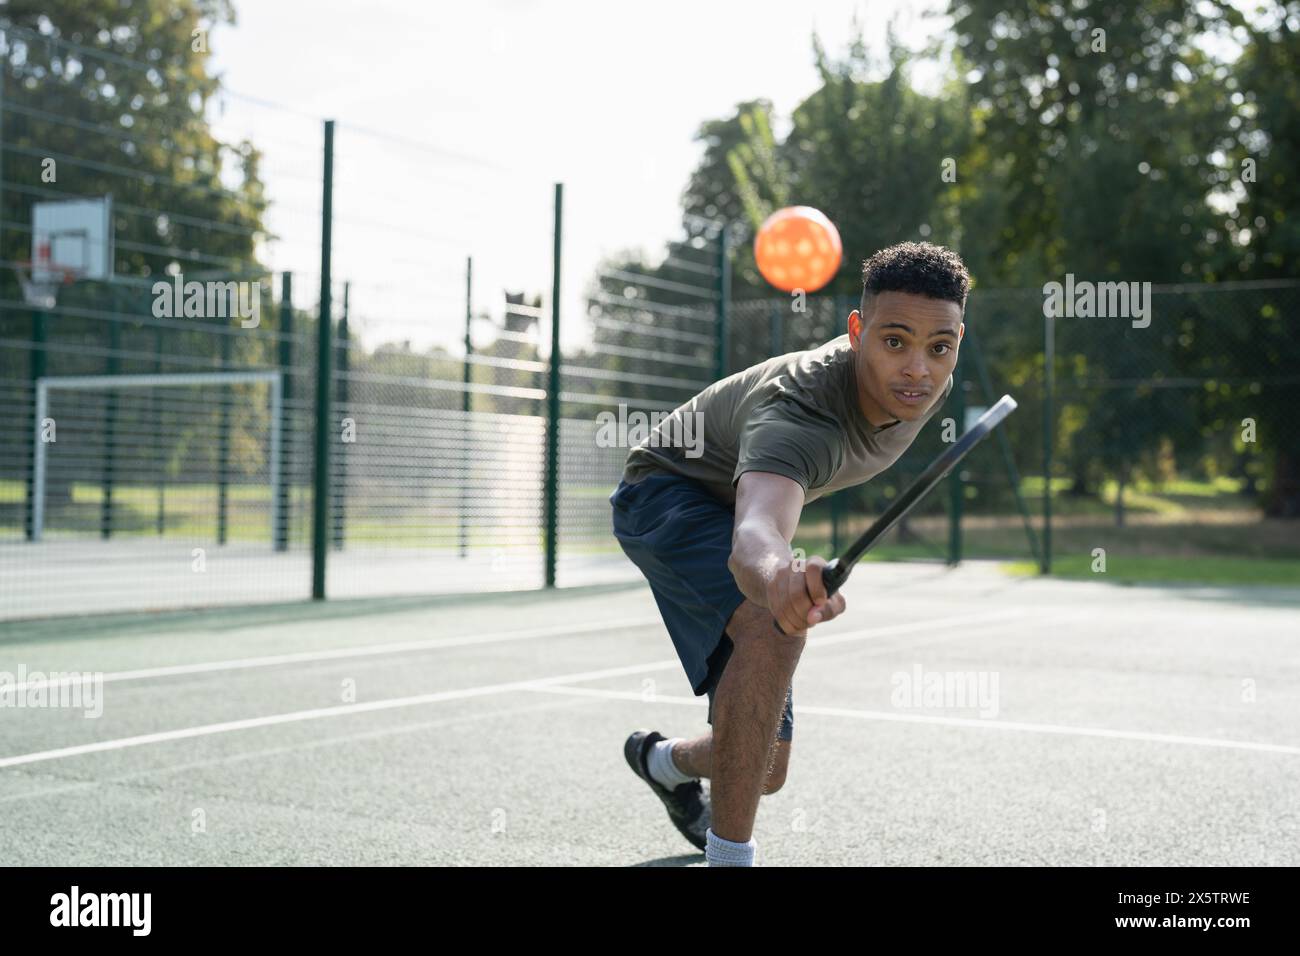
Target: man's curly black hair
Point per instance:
(921, 268)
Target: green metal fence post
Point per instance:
(552, 488)
(324, 351)
(466, 406)
(341, 475)
(724, 302)
(956, 484)
(223, 439)
(1049, 385)
(158, 431)
(110, 420)
(1000, 435)
(286, 399)
(37, 373)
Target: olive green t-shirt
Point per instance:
(795, 415)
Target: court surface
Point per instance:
(1129, 726)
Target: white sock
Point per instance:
(662, 768)
(722, 852)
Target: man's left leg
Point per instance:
(679, 536)
(693, 758)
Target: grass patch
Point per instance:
(1145, 569)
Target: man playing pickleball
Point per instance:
(711, 531)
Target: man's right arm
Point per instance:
(767, 515)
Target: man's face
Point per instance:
(906, 347)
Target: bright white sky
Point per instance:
(604, 97)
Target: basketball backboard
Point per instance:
(73, 236)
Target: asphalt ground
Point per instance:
(1056, 723)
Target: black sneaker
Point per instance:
(688, 805)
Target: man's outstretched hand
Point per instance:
(798, 598)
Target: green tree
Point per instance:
(711, 193)
(117, 96)
(1110, 125)
(1103, 118)
(1261, 186)
(870, 153)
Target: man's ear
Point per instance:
(961, 331)
(855, 328)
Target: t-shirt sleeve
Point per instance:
(786, 438)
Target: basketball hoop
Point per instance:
(72, 239)
(41, 288)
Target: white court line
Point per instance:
(944, 721)
(343, 653)
(283, 750)
(320, 712)
(251, 723)
(559, 630)
(955, 620)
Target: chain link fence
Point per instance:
(436, 434)
(187, 431)
(1170, 435)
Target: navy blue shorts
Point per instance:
(679, 535)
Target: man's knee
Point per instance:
(751, 625)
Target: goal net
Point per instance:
(197, 454)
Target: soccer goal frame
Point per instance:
(87, 382)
